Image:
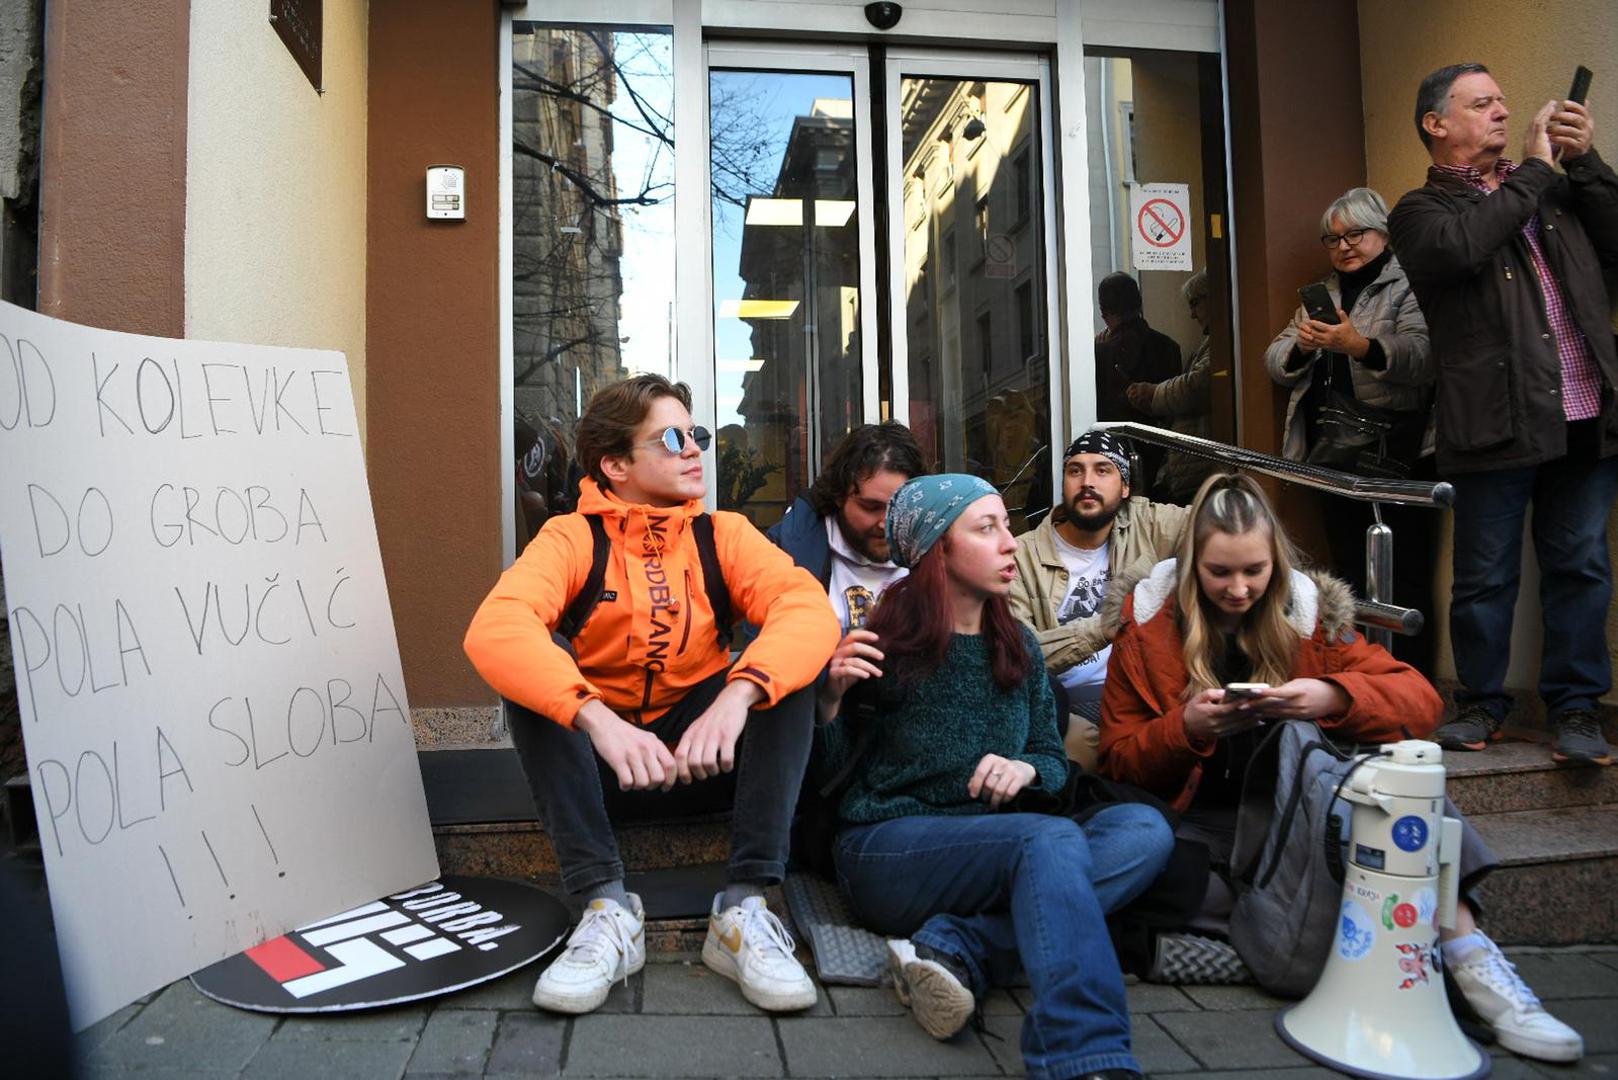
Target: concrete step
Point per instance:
(1518, 774)
(1558, 877)
(522, 849)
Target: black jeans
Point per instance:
(578, 797)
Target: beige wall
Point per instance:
(275, 210)
(1531, 50)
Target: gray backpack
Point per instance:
(1287, 863)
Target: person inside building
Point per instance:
(1361, 402)
(1129, 351)
(837, 529)
(638, 695)
(963, 723)
(1233, 607)
(1096, 534)
(1506, 259)
(1184, 401)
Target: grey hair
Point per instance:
(1433, 94)
(1195, 287)
(1360, 208)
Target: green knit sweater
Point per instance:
(932, 733)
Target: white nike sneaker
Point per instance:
(1501, 999)
(748, 945)
(609, 944)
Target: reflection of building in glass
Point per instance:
(567, 236)
(799, 264)
(974, 287)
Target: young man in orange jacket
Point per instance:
(645, 697)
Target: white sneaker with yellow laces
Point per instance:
(748, 945)
(608, 945)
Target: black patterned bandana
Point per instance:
(1105, 443)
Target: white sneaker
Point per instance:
(609, 944)
(938, 998)
(748, 945)
(1501, 999)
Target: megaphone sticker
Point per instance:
(1415, 962)
(1356, 933)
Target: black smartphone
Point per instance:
(1318, 303)
(1581, 84)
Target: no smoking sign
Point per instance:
(1160, 218)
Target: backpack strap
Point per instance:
(578, 611)
(713, 578)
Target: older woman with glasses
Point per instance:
(1362, 387)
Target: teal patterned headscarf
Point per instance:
(925, 508)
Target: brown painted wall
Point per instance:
(432, 331)
(1297, 142)
(112, 175)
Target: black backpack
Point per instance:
(713, 580)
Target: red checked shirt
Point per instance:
(1581, 384)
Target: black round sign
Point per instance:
(434, 939)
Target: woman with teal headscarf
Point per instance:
(929, 852)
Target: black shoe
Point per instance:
(1578, 738)
(1471, 729)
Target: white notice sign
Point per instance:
(1160, 216)
(213, 711)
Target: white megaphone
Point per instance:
(1379, 1009)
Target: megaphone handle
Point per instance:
(1449, 872)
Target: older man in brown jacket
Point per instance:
(1096, 535)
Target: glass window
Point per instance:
(592, 196)
(1155, 117)
(988, 414)
(786, 264)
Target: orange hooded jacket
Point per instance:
(652, 636)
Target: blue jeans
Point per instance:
(1010, 891)
(1571, 497)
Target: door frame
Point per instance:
(1058, 28)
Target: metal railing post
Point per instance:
(1379, 572)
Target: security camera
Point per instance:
(884, 15)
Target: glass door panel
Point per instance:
(1156, 118)
(975, 287)
(788, 340)
(592, 212)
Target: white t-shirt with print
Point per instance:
(1087, 575)
(856, 582)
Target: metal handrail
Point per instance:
(1389, 617)
(1433, 493)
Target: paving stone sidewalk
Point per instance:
(676, 1019)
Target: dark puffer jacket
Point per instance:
(1499, 376)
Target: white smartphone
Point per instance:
(1244, 691)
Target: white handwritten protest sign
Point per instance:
(214, 715)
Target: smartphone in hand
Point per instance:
(1244, 691)
(1581, 85)
(1318, 303)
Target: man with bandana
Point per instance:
(1095, 535)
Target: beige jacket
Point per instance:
(1143, 534)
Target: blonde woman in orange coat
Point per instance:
(1233, 607)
